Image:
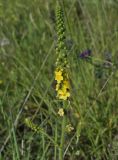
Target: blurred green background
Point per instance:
(27, 88)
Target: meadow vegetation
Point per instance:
(34, 123)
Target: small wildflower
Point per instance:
(85, 54)
(61, 112)
(69, 128)
(66, 84)
(63, 94)
(58, 76)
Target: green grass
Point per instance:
(27, 64)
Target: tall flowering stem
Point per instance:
(61, 71)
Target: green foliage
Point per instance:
(27, 89)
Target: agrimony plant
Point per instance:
(61, 71)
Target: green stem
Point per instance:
(56, 137)
(61, 150)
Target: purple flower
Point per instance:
(85, 54)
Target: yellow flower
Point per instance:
(69, 128)
(58, 76)
(63, 94)
(62, 86)
(61, 112)
(66, 84)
